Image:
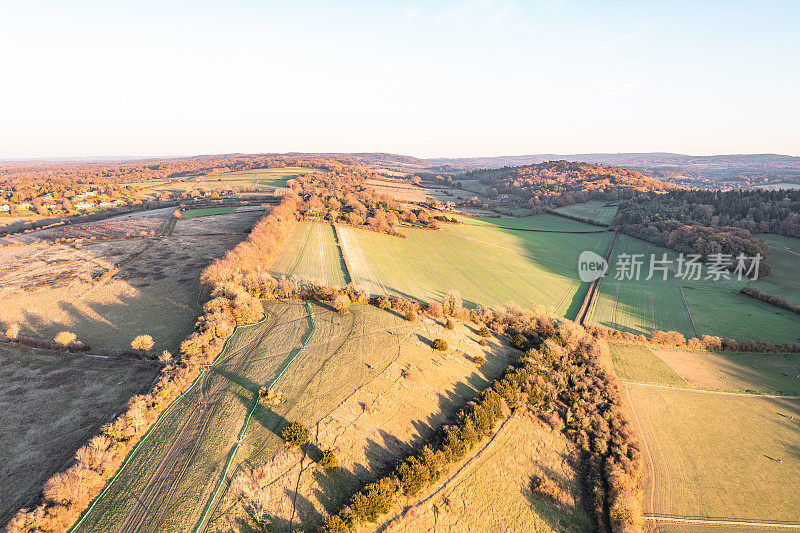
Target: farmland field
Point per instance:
(343, 354)
(522, 449)
(536, 268)
(702, 307)
(715, 455)
(68, 397)
(784, 258)
(596, 210)
(311, 253)
(204, 212)
(719, 456)
(107, 292)
(261, 181)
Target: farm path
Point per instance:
(707, 391)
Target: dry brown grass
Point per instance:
(109, 292)
(49, 405)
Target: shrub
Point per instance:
(412, 475)
(13, 331)
(439, 344)
(519, 342)
(450, 324)
(478, 360)
(411, 315)
(485, 332)
(65, 338)
(375, 500)
(435, 310)
(482, 342)
(328, 460)
(296, 434)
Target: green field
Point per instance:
(784, 259)
(50, 404)
(311, 253)
(595, 210)
(703, 307)
(638, 363)
(639, 306)
(485, 262)
(192, 213)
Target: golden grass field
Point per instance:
(109, 291)
(720, 432)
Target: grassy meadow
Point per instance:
(50, 404)
(717, 445)
(702, 307)
(485, 261)
(784, 258)
(596, 210)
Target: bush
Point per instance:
(478, 360)
(482, 342)
(342, 304)
(296, 434)
(450, 324)
(439, 344)
(65, 338)
(519, 342)
(328, 460)
(485, 332)
(13, 331)
(411, 315)
(376, 499)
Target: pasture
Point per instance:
(50, 404)
(702, 307)
(596, 210)
(206, 211)
(524, 448)
(784, 258)
(109, 291)
(399, 189)
(714, 447)
(485, 261)
(258, 181)
(173, 475)
(311, 253)
(719, 456)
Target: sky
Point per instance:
(424, 78)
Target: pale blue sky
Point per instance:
(432, 78)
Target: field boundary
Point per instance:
(594, 288)
(720, 392)
(342, 255)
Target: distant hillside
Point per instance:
(727, 171)
(558, 183)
